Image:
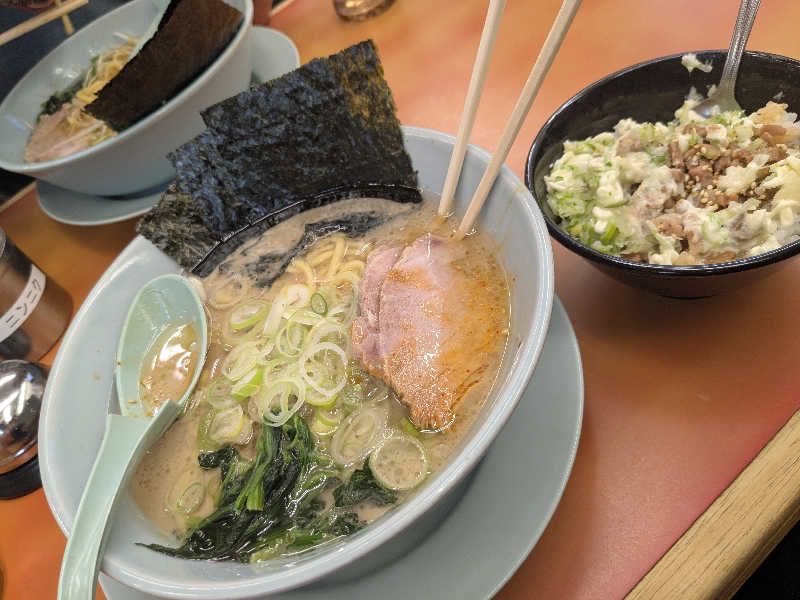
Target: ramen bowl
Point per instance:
(71, 432)
(136, 158)
(652, 91)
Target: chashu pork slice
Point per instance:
(427, 338)
(364, 330)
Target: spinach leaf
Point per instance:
(361, 487)
(267, 505)
(54, 103)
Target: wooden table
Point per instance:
(680, 395)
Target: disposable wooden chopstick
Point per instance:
(68, 27)
(490, 27)
(39, 20)
(540, 68)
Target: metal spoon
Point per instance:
(21, 390)
(723, 97)
(164, 301)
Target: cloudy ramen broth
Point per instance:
(283, 352)
(169, 367)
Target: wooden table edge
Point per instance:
(18, 196)
(726, 544)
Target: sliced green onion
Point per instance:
(298, 295)
(267, 353)
(321, 428)
(409, 428)
(278, 401)
(219, 394)
(277, 368)
(191, 498)
(316, 373)
(241, 360)
(304, 316)
(204, 441)
(247, 314)
(273, 320)
(247, 385)
(330, 416)
(314, 398)
(227, 424)
(359, 434)
(318, 304)
(291, 337)
(399, 463)
(233, 337)
(329, 331)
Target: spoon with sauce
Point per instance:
(723, 97)
(160, 355)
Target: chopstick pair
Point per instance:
(546, 55)
(61, 8)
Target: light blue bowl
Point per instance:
(136, 159)
(70, 432)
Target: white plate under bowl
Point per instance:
(79, 386)
(492, 532)
(272, 54)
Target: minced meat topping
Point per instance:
(691, 191)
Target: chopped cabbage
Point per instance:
(691, 62)
(609, 190)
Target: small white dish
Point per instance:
(74, 208)
(272, 54)
(491, 548)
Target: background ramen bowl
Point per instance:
(652, 91)
(135, 159)
(70, 432)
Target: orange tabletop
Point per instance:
(680, 395)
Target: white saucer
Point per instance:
(495, 525)
(273, 54)
(75, 208)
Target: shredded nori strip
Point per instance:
(324, 132)
(265, 268)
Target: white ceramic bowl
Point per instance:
(135, 159)
(70, 431)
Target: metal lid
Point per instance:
(21, 391)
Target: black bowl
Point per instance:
(652, 91)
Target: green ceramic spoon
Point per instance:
(169, 300)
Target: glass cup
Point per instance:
(34, 309)
(358, 10)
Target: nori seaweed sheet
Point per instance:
(197, 178)
(340, 108)
(190, 35)
(178, 228)
(324, 132)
